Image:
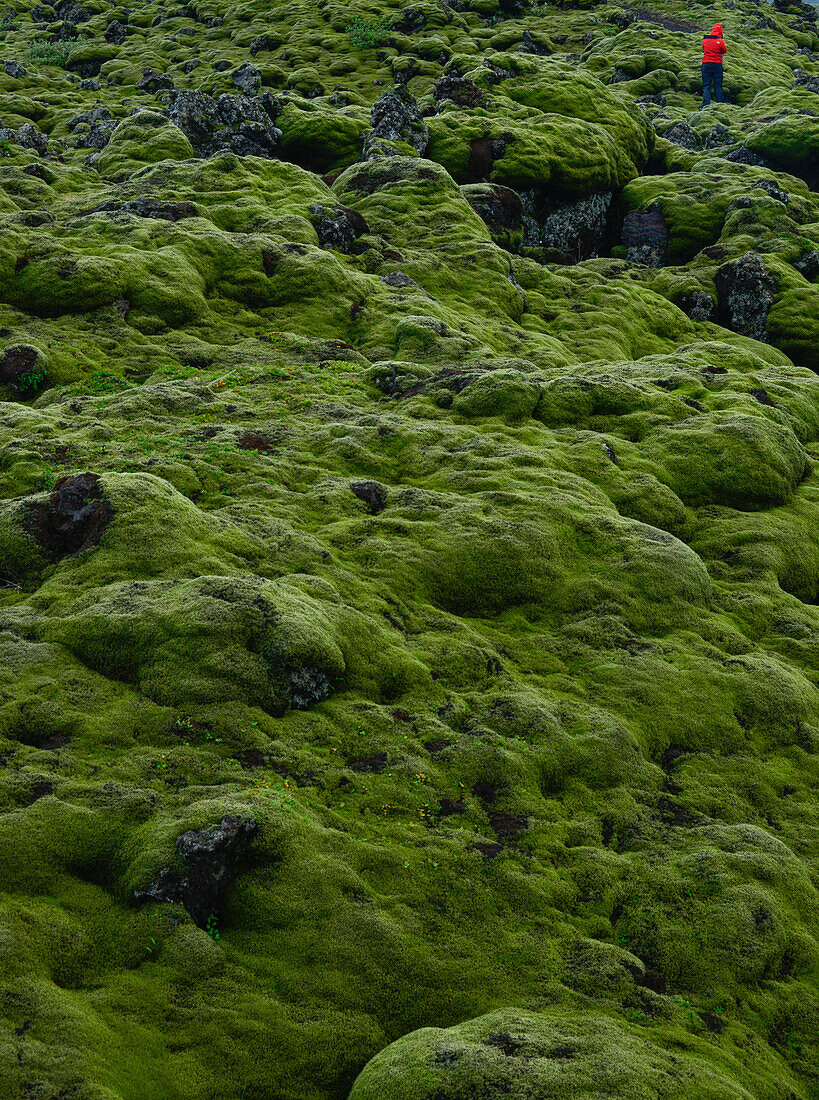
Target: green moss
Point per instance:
(145, 138)
(486, 586)
(559, 1051)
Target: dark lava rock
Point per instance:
(74, 518)
(338, 227)
(398, 278)
(411, 21)
(116, 33)
(18, 366)
(308, 686)
(231, 122)
(373, 495)
(395, 117)
(256, 441)
(248, 79)
(698, 305)
(99, 126)
(622, 19)
(650, 979)
(483, 152)
(745, 156)
(376, 762)
(808, 265)
(71, 12)
(745, 291)
(152, 82)
(718, 136)
(68, 33)
(531, 45)
(459, 89)
(84, 69)
(14, 69)
(146, 207)
(213, 857)
(489, 849)
(499, 207)
(90, 85)
(496, 74)
(448, 808)
(575, 231)
(804, 80)
(763, 397)
(27, 136)
(264, 42)
(645, 235)
(772, 188)
(682, 134)
(507, 826)
(657, 98)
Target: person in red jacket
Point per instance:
(713, 49)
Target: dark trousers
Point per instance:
(711, 74)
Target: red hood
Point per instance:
(717, 31)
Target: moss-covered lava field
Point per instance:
(409, 552)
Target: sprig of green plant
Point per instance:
(210, 927)
(43, 52)
(32, 380)
(368, 33)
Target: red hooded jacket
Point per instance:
(713, 47)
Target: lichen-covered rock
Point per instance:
(395, 118)
(235, 123)
(577, 230)
(746, 293)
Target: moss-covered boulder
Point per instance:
(553, 1054)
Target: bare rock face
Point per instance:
(248, 79)
(213, 857)
(338, 227)
(645, 235)
(746, 293)
(566, 232)
(395, 116)
(698, 305)
(682, 134)
(372, 494)
(458, 89)
(801, 79)
(500, 207)
(74, 518)
(20, 368)
(93, 128)
(808, 265)
(153, 82)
